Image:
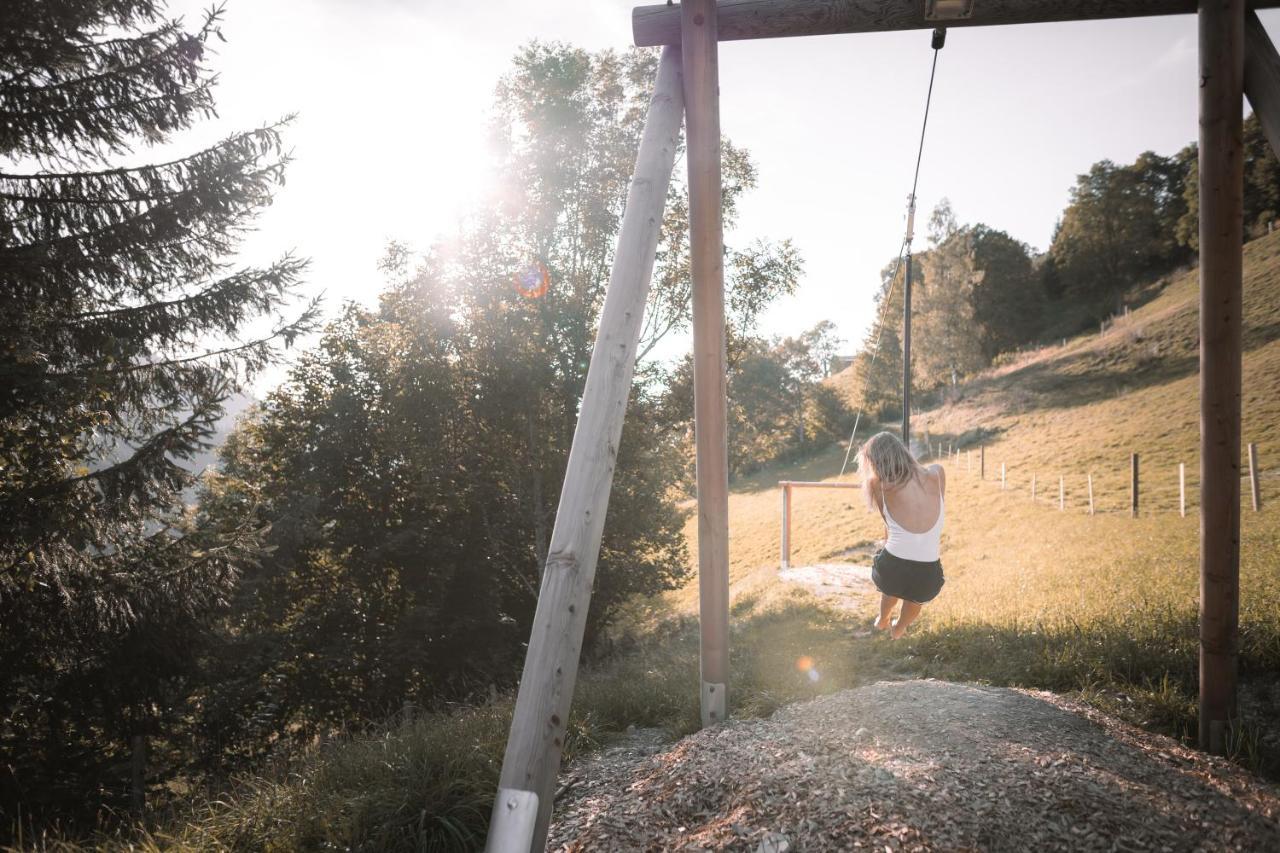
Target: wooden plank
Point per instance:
(1262, 78)
(805, 484)
(534, 745)
(706, 249)
(761, 19)
(1221, 83)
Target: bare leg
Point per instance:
(910, 610)
(887, 603)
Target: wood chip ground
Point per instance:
(916, 765)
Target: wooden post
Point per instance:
(1221, 160)
(1033, 488)
(1182, 489)
(522, 809)
(1090, 493)
(706, 247)
(138, 775)
(1062, 493)
(1133, 485)
(1253, 476)
(1262, 78)
(786, 526)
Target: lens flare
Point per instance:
(533, 281)
(804, 664)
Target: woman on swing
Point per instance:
(909, 497)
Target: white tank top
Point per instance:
(903, 543)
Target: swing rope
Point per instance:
(939, 38)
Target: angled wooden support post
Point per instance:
(522, 809)
(1262, 78)
(1221, 80)
(699, 58)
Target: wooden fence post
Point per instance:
(1090, 493)
(1133, 485)
(1253, 476)
(1221, 170)
(138, 775)
(786, 526)
(1062, 493)
(522, 808)
(1182, 489)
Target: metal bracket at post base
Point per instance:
(515, 814)
(715, 708)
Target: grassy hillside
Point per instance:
(1102, 607)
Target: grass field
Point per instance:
(1103, 607)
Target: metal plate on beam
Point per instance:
(515, 813)
(714, 704)
(948, 10)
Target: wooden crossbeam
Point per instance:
(762, 19)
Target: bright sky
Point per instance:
(392, 97)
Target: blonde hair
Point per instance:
(886, 459)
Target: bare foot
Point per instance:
(883, 623)
(898, 631)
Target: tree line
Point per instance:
(977, 292)
(375, 531)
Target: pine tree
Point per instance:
(122, 323)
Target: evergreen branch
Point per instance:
(287, 266)
(272, 130)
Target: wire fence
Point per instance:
(1130, 486)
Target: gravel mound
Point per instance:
(918, 765)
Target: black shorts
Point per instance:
(908, 579)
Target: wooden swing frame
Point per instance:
(1236, 58)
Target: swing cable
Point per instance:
(939, 39)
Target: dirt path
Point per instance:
(846, 586)
(918, 765)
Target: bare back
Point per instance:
(915, 505)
